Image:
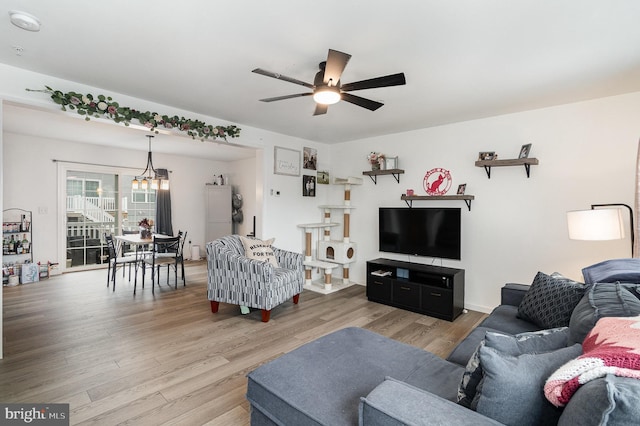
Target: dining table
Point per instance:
(139, 242)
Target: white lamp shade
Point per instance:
(595, 224)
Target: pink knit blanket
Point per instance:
(612, 347)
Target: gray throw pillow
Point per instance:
(530, 342)
(612, 270)
(512, 389)
(603, 300)
(550, 301)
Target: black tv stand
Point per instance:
(436, 291)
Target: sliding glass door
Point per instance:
(99, 202)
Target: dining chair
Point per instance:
(114, 260)
(164, 252)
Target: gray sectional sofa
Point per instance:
(494, 376)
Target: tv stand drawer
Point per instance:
(406, 293)
(378, 288)
(437, 300)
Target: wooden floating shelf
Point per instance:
(373, 174)
(526, 162)
(410, 198)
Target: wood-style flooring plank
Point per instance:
(164, 357)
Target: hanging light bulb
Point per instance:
(147, 180)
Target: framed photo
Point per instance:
(487, 155)
(308, 186)
(461, 188)
(286, 161)
(309, 158)
(391, 163)
(524, 151)
(323, 177)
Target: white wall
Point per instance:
(516, 226)
(31, 183)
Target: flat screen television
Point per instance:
(432, 232)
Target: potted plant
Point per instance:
(376, 160)
(145, 228)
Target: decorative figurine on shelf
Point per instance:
(145, 228)
(376, 159)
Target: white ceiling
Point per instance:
(463, 59)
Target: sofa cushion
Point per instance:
(505, 318)
(550, 301)
(259, 250)
(612, 270)
(322, 381)
(603, 300)
(512, 387)
(610, 400)
(533, 342)
(397, 403)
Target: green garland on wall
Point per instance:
(105, 107)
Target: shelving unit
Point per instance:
(16, 227)
(409, 199)
(373, 174)
(526, 162)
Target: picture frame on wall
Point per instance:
(309, 158)
(308, 186)
(323, 177)
(461, 188)
(391, 163)
(286, 161)
(524, 151)
(487, 155)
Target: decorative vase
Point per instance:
(145, 233)
(375, 166)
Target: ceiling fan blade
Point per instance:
(321, 109)
(336, 62)
(280, 98)
(362, 102)
(386, 81)
(282, 77)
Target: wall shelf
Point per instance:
(526, 162)
(410, 198)
(373, 174)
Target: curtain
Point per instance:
(163, 207)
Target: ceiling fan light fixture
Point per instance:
(327, 95)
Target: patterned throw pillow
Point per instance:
(259, 250)
(550, 300)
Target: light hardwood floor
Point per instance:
(159, 359)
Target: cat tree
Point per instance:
(331, 254)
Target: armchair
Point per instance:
(234, 278)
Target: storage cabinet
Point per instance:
(431, 290)
(218, 212)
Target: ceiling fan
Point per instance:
(327, 89)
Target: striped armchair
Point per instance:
(236, 279)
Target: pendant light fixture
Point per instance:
(150, 176)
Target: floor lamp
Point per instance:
(599, 224)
